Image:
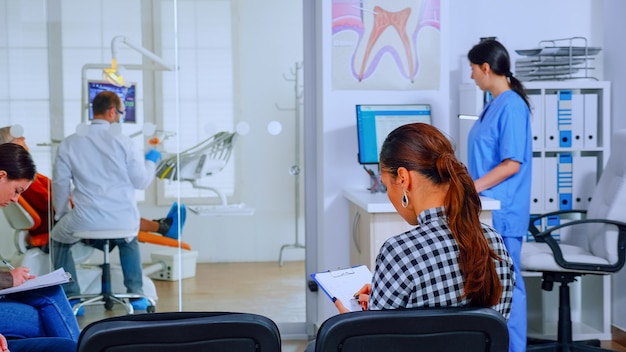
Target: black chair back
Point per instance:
(427, 329)
(182, 332)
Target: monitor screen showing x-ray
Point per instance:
(127, 94)
(374, 122)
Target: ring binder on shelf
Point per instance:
(565, 118)
(565, 181)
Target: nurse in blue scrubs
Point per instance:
(500, 159)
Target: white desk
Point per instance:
(374, 220)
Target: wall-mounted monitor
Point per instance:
(374, 122)
(127, 94)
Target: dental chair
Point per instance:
(35, 255)
(22, 218)
(204, 159)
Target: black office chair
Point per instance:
(465, 329)
(182, 332)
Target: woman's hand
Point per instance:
(363, 295)
(340, 307)
(21, 275)
(4, 346)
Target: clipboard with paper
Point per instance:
(344, 283)
(56, 277)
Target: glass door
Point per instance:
(218, 88)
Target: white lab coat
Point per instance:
(100, 168)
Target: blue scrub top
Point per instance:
(502, 132)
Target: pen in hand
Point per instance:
(11, 267)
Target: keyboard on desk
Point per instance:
(219, 209)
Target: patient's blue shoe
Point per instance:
(81, 310)
(140, 303)
(173, 210)
(173, 214)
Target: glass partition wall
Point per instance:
(216, 86)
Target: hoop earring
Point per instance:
(405, 200)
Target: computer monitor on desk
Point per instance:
(374, 122)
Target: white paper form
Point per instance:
(56, 277)
(344, 283)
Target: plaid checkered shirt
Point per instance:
(420, 268)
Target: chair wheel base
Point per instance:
(108, 305)
(540, 345)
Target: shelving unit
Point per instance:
(557, 59)
(570, 118)
(571, 144)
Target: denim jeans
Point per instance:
(43, 344)
(44, 312)
(130, 260)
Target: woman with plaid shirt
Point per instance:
(450, 258)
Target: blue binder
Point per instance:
(564, 118)
(564, 180)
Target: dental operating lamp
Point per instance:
(114, 73)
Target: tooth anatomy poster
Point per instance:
(383, 45)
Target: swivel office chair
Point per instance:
(106, 295)
(450, 329)
(182, 332)
(595, 245)
(204, 159)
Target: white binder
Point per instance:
(551, 199)
(578, 120)
(591, 120)
(585, 180)
(537, 194)
(551, 117)
(536, 103)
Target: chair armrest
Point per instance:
(30, 211)
(531, 224)
(546, 237)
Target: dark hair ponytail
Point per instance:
(422, 148)
(495, 54)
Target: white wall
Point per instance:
(519, 25)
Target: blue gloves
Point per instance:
(153, 155)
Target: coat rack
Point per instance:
(294, 170)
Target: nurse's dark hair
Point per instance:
(17, 162)
(495, 54)
(423, 148)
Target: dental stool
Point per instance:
(106, 295)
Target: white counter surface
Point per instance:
(379, 203)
